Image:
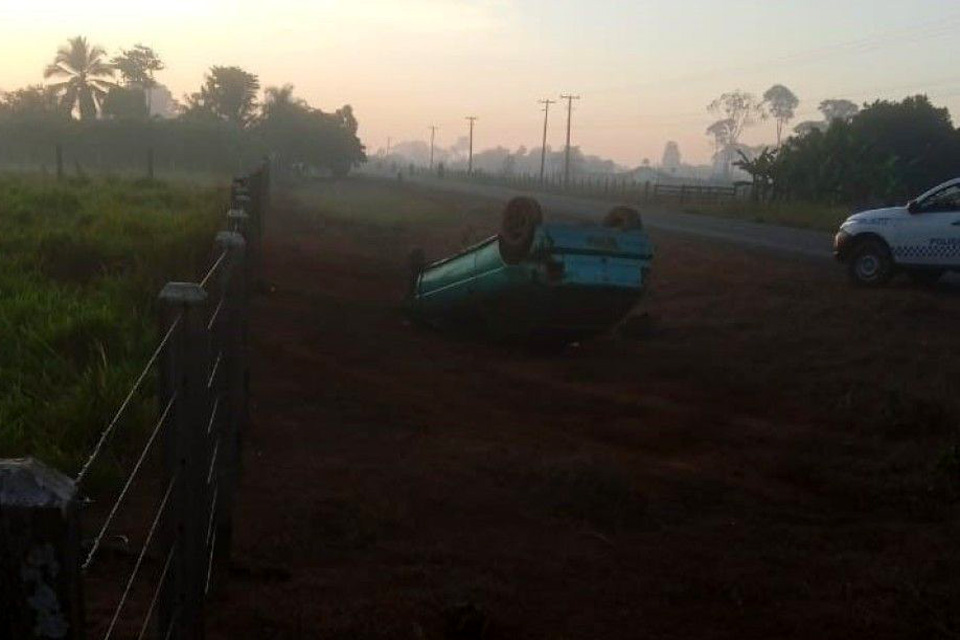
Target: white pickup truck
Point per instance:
(921, 238)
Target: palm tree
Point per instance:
(85, 69)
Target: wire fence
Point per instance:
(621, 188)
(180, 489)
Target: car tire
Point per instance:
(521, 217)
(925, 277)
(870, 264)
(623, 218)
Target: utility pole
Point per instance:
(433, 133)
(472, 119)
(543, 149)
(566, 162)
(388, 144)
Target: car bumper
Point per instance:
(841, 245)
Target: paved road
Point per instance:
(785, 240)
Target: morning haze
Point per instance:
(646, 70)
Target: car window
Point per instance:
(946, 200)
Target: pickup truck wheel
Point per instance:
(521, 217)
(623, 218)
(925, 277)
(870, 264)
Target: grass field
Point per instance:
(803, 215)
(384, 203)
(81, 263)
(774, 457)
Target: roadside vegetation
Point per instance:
(802, 215)
(81, 263)
(106, 116)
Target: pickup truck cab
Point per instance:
(921, 238)
(540, 282)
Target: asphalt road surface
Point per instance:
(784, 240)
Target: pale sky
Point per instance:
(645, 69)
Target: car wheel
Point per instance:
(521, 217)
(623, 218)
(925, 277)
(870, 264)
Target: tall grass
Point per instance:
(81, 264)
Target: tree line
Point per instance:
(883, 152)
(99, 110)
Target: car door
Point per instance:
(932, 236)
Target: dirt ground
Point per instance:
(769, 459)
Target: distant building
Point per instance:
(671, 157)
(160, 102)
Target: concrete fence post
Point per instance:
(233, 386)
(184, 371)
(41, 594)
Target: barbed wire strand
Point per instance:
(213, 512)
(216, 313)
(213, 269)
(97, 449)
(213, 546)
(213, 460)
(126, 487)
(141, 556)
(174, 619)
(213, 415)
(215, 370)
(156, 593)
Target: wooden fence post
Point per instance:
(40, 585)
(183, 376)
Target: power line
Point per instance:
(546, 102)
(920, 32)
(566, 161)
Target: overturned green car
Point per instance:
(550, 282)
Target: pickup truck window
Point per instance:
(946, 200)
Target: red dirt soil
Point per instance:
(757, 465)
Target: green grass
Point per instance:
(81, 263)
(791, 214)
(384, 202)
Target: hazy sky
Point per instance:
(645, 68)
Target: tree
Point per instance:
(781, 103)
(86, 74)
(671, 156)
(33, 102)
(740, 110)
(762, 169)
(300, 134)
(838, 110)
(279, 102)
(228, 93)
(126, 103)
(137, 66)
(888, 152)
(807, 126)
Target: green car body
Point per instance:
(575, 281)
